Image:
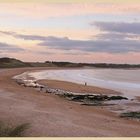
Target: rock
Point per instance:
(97, 104)
(19, 81)
(98, 97)
(117, 98)
(93, 104)
(135, 115)
(91, 99)
(86, 99)
(78, 98)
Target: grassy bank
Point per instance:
(10, 131)
(14, 63)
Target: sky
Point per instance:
(91, 31)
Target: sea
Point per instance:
(126, 81)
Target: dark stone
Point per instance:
(117, 98)
(135, 115)
(97, 104)
(91, 98)
(78, 98)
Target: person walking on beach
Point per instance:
(85, 83)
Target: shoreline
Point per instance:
(67, 86)
(85, 95)
(50, 115)
(78, 88)
(122, 82)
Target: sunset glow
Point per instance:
(92, 31)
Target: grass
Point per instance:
(9, 131)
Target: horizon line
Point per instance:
(72, 62)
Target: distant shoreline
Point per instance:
(15, 63)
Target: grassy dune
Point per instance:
(14, 63)
(9, 131)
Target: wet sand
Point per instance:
(73, 87)
(50, 115)
(138, 98)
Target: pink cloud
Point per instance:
(40, 10)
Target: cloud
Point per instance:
(116, 36)
(119, 27)
(105, 42)
(4, 47)
(109, 46)
(30, 37)
(25, 37)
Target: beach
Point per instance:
(50, 115)
(77, 88)
(126, 81)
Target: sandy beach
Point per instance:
(73, 87)
(50, 115)
(138, 98)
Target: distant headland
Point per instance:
(6, 62)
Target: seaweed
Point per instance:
(135, 115)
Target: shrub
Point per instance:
(8, 131)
